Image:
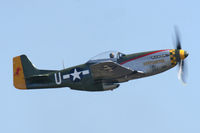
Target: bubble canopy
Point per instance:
(108, 55)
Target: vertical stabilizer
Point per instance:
(22, 69)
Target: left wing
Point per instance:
(110, 70)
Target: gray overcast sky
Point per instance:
(73, 31)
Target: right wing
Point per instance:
(110, 70)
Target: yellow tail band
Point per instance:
(18, 74)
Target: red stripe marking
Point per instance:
(143, 56)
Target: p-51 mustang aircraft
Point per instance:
(103, 72)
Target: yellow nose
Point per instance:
(183, 54)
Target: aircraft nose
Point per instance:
(183, 54)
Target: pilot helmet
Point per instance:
(112, 55)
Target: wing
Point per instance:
(110, 70)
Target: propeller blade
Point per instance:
(178, 42)
(182, 73)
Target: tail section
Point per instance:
(26, 76)
(19, 73)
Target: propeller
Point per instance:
(182, 72)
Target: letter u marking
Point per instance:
(58, 78)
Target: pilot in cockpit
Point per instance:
(112, 55)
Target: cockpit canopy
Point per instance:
(105, 56)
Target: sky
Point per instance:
(72, 31)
